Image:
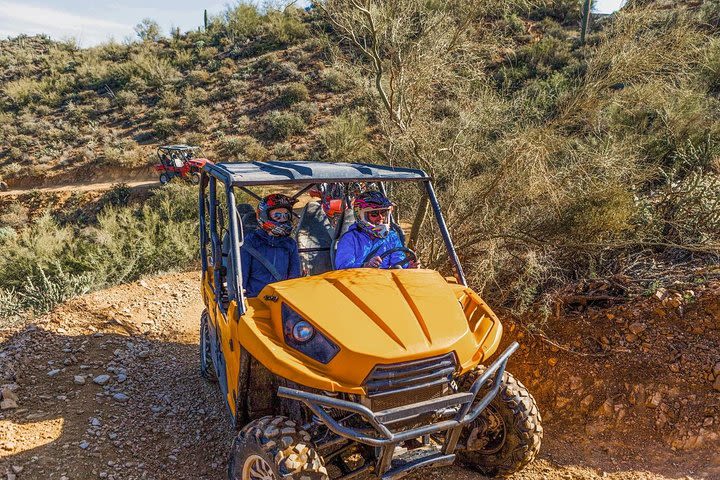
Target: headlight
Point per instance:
(306, 339)
(303, 331)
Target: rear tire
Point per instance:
(507, 435)
(164, 179)
(207, 369)
(272, 448)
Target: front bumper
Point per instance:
(382, 435)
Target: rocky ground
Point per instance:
(107, 386)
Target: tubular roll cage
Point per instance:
(462, 403)
(211, 173)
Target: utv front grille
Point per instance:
(403, 383)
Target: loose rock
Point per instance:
(101, 379)
(120, 397)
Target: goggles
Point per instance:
(279, 216)
(374, 214)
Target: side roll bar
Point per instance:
(459, 274)
(235, 246)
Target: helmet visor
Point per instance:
(279, 215)
(377, 216)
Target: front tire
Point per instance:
(273, 448)
(195, 178)
(164, 179)
(507, 435)
(207, 369)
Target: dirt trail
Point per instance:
(107, 386)
(77, 187)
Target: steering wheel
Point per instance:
(409, 256)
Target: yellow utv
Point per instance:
(360, 372)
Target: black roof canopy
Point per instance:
(303, 172)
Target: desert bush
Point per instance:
(148, 30)
(15, 216)
(283, 151)
(153, 69)
(183, 58)
(197, 78)
(293, 93)
(243, 147)
(199, 117)
(345, 138)
(169, 100)
(710, 67)
(283, 125)
(605, 150)
(306, 110)
(286, 27)
(46, 263)
(164, 128)
(23, 91)
(12, 169)
(117, 196)
(335, 81)
(243, 21)
(125, 98)
(193, 96)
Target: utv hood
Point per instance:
(380, 316)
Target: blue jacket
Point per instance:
(281, 252)
(355, 245)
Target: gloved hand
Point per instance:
(374, 262)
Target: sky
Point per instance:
(91, 23)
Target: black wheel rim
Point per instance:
(204, 346)
(487, 433)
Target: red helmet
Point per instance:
(270, 203)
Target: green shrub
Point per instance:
(283, 125)
(193, 97)
(169, 100)
(345, 140)
(23, 91)
(243, 21)
(306, 110)
(286, 27)
(243, 147)
(125, 98)
(199, 117)
(335, 81)
(118, 195)
(46, 263)
(164, 128)
(293, 93)
(197, 78)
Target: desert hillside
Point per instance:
(579, 180)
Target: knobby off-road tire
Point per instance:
(273, 448)
(164, 179)
(515, 443)
(207, 369)
(195, 178)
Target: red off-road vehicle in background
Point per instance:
(184, 161)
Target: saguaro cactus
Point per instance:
(205, 19)
(587, 8)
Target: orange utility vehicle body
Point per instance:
(389, 316)
(387, 360)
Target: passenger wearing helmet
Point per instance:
(268, 253)
(370, 236)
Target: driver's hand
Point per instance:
(414, 264)
(374, 262)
